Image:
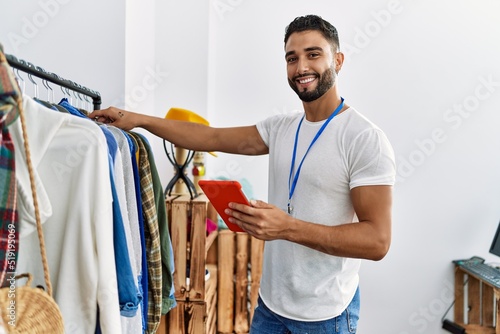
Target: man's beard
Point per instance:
(326, 81)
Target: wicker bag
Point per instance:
(25, 309)
(34, 310)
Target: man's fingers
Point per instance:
(260, 204)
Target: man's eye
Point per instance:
(291, 59)
(314, 55)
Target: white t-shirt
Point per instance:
(298, 282)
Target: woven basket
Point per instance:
(34, 310)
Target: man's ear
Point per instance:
(338, 58)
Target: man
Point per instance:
(332, 209)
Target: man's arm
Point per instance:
(369, 238)
(238, 140)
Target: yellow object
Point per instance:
(179, 114)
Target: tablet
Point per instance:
(220, 193)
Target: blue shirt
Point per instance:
(144, 277)
(128, 294)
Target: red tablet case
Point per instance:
(220, 193)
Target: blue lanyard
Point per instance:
(291, 185)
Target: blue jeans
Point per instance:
(267, 322)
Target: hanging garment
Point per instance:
(144, 279)
(46, 104)
(152, 234)
(125, 187)
(10, 98)
(70, 156)
(71, 109)
(128, 294)
(167, 258)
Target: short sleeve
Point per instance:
(371, 160)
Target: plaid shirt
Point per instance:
(152, 235)
(167, 260)
(10, 99)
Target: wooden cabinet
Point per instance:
(224, 302)
(194, 253)
(240, 268)
(476, 304)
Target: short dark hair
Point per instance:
(314, 22)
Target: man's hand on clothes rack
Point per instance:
(120, 118)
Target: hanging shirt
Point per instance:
(10, 99)
(70, 157)
(124, 180)
(128, 293)
(167, 258)
(130, 196)
(144, 278)
(152, 235)
(71, 109)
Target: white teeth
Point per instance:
(306, 80)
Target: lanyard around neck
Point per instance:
(292, 184)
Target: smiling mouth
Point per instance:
(306, 80)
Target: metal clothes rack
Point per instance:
(54, 78)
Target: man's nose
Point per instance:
(302, 66)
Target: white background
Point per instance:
(427, 72)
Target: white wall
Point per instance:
(181, 48)
(77, 40)
(426, 72)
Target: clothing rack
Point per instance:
(54, 78)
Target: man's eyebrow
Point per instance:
(312, 48)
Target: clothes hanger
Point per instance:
(45, 83)
(50, 91)
(30, 77)
(78, 98)
(36, 97)
(68, 94)
(89, 106)
(35, 85)
(20, 80)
